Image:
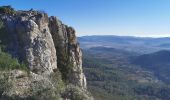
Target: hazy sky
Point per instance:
(106, 17)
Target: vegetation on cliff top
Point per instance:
(7, 10)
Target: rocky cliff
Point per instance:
(51, 52)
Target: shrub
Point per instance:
(75, 93)
(7, 10)
(4, 84)
(9, 63)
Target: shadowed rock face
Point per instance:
(45, 44)
(68, 52)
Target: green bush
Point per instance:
(72, 92)
(7, 10)
(4, 84)
(9, 63)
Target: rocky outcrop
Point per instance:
(32, 42)
(47, 47)
(68, 52)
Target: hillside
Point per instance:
(112, 75)
(160, 57)
(40, 58)
(157, 62)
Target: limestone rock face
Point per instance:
(32, 41)
(48, 47)
(68, 51)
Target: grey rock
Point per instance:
(47, 46)
(66, 45)
(32, 42)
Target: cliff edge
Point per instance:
(51, 53)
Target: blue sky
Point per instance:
(106, 17)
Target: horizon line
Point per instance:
(137, 36)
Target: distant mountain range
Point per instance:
(128, 43)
